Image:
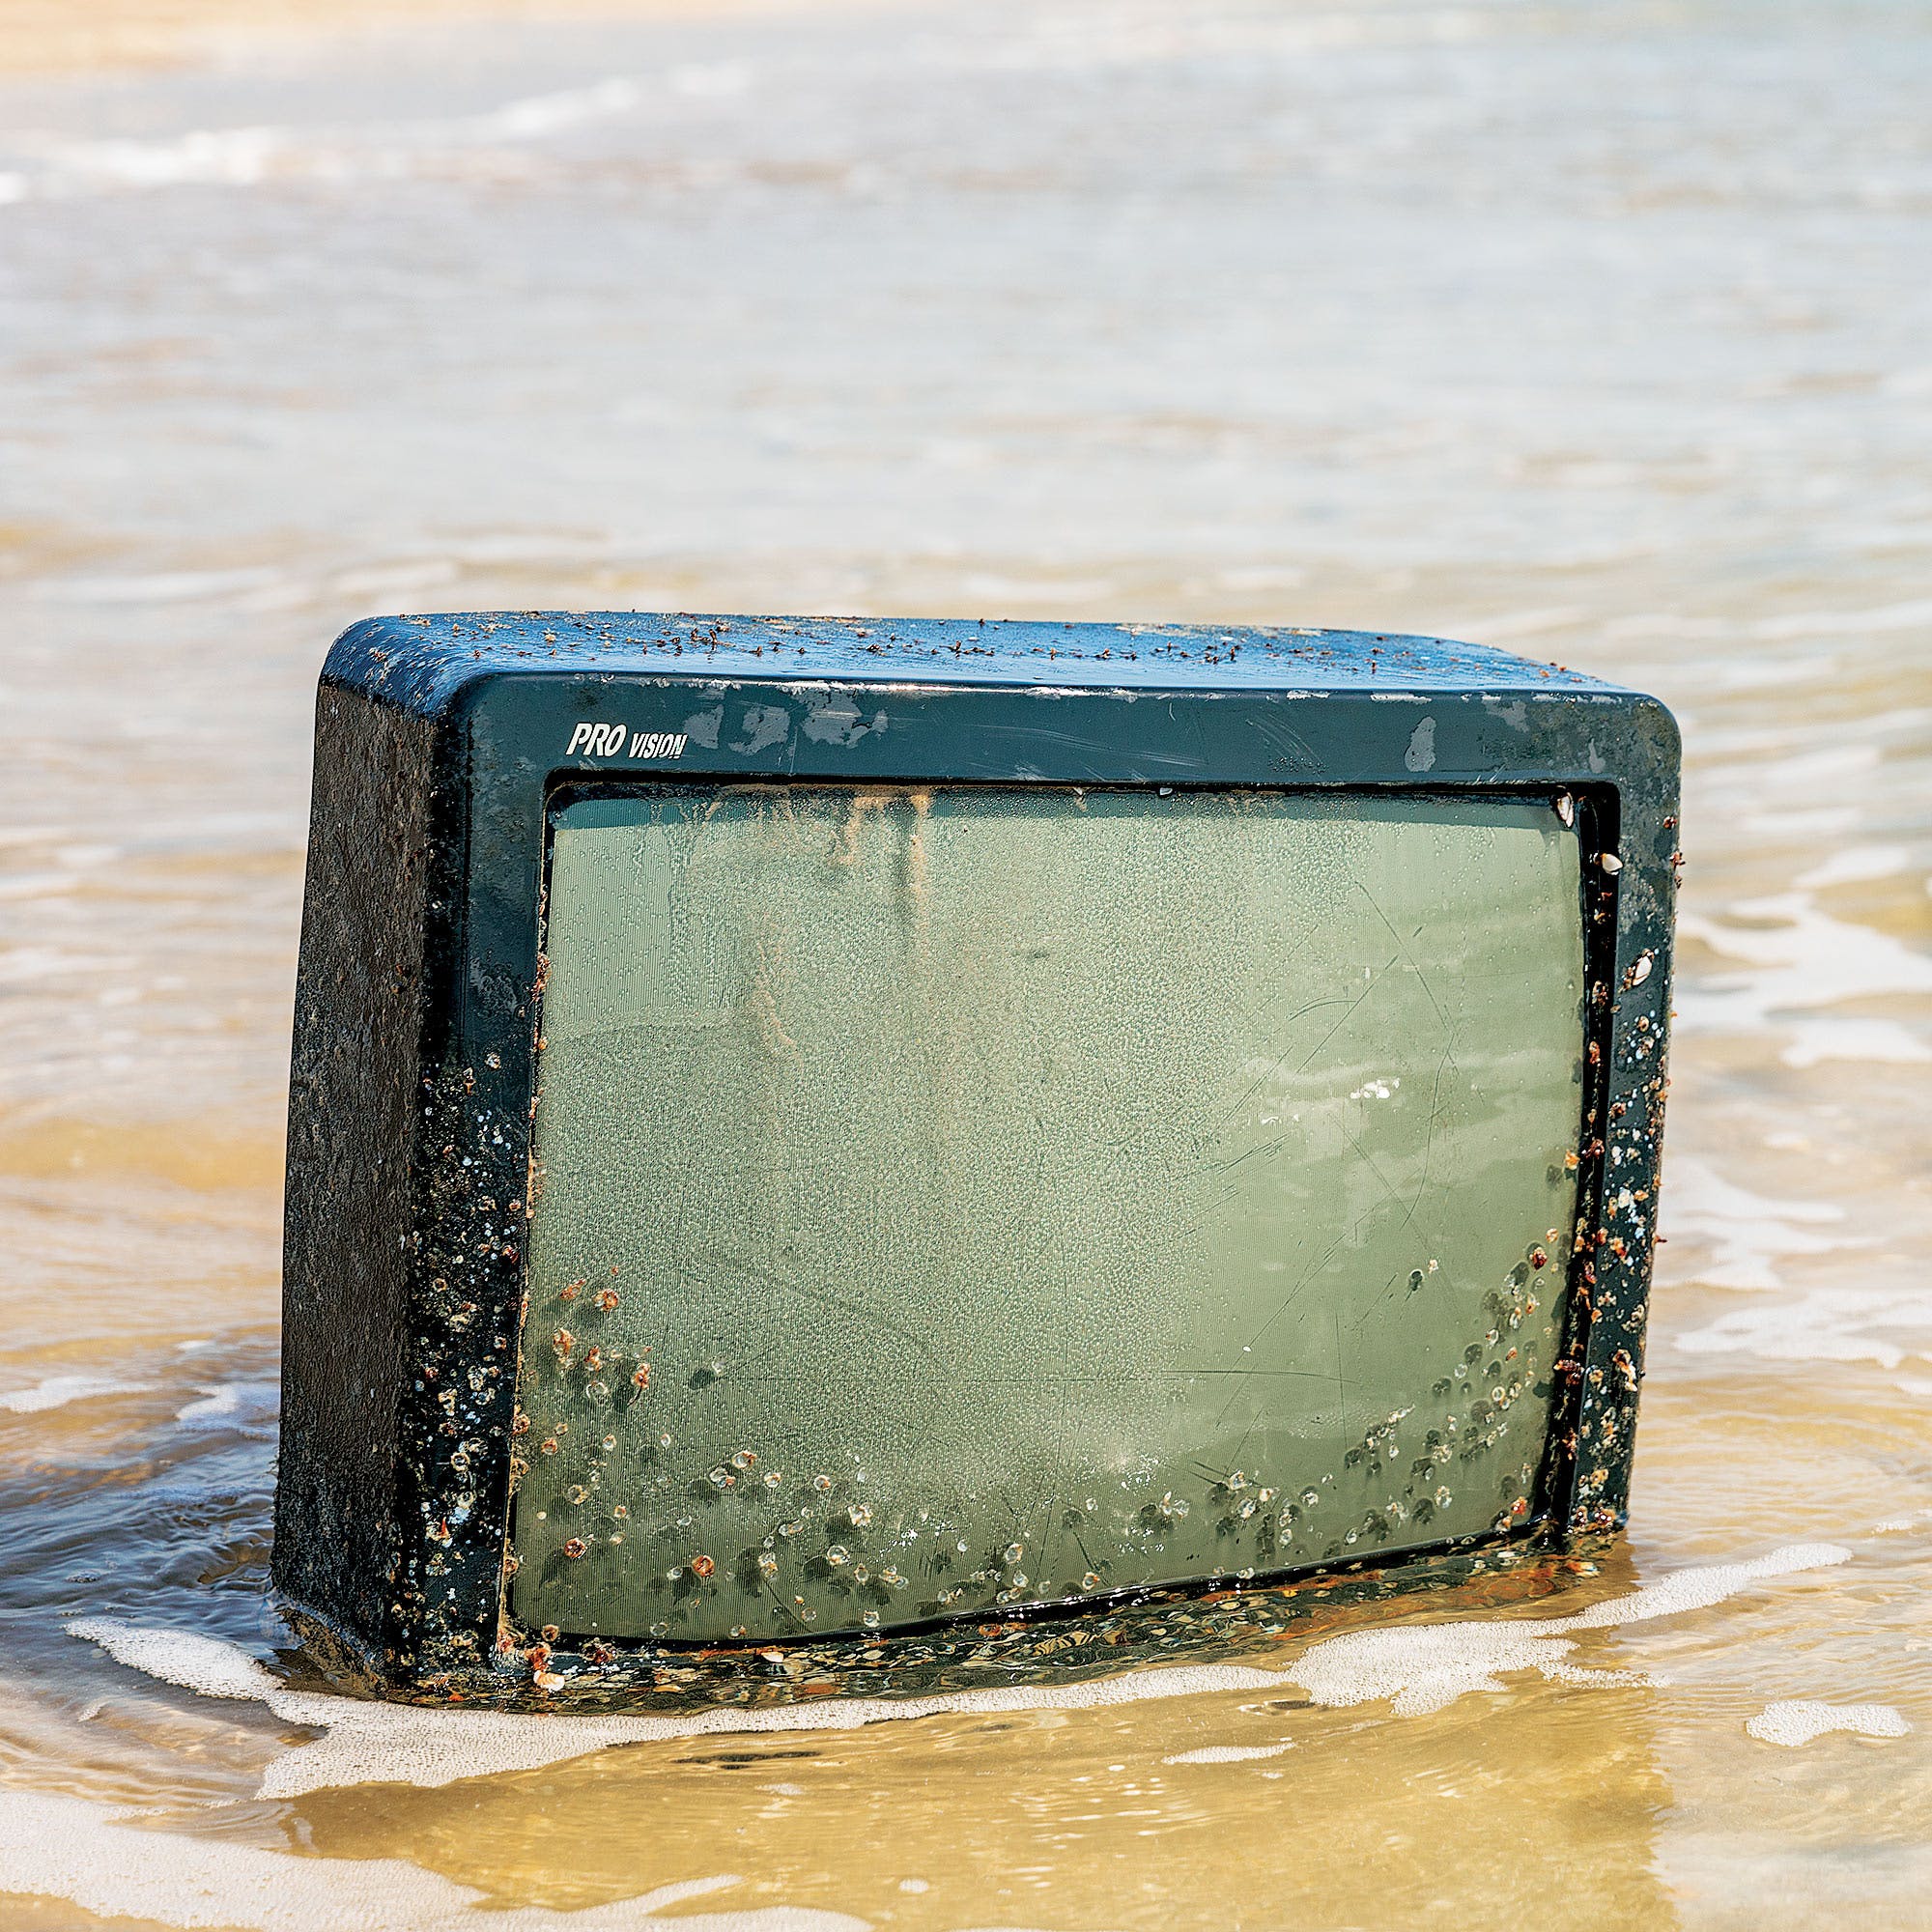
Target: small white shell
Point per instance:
(1640, 971)
(1610, 862)
(1566, 807)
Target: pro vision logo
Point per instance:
(619, 741)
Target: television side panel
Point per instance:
(353, 1087)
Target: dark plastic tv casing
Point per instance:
(440, 747)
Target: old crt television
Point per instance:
(803, 1130)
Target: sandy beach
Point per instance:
(1593, 331)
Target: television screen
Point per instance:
(967, 1196)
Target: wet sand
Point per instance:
(1597, 332)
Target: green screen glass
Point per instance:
(954, 1198)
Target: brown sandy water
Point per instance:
(1600, 332)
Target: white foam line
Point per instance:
(73, 1849)
(1796, 959)
(1422, 1667)
(540, 114)
(1425, 1666)
(1797, 1723)
(1829, 1325)
(372, 1743)
(250, 156)
(207, 1665)
(1748, 1234)
(246, 1402)
(1228, 1753)
(1855, 864)
(214, 1404)
(57, 1391)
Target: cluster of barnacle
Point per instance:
(597, 1370)
(1466, 1440)
(463, 1377)
(599, 1367)
(814, 1502)
(819, 1541)
(1156, 1625)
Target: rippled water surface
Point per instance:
(1600, 331)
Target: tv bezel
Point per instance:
(441, 759)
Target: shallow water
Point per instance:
(1597, 331)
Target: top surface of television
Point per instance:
(804, 1126)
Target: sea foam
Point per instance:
(1748, 1234)
(1420, 1667)
(73, 1849)
(1424, 1667)
(1228, 1753)
(57, 1391)
(1793, 960)
(242, 1404)
(1799, 1722)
